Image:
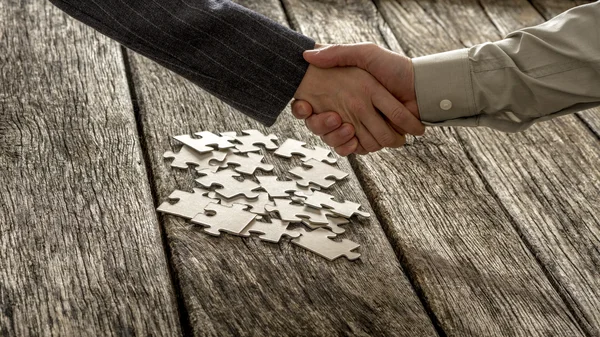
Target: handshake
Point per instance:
(358, 98)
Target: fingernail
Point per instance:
(302, 111)
(346, 131)
(331, 122)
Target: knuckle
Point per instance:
(312, 126)
(388, 140)
(372, 147)
(329, 140)
(397, 115)
(369, 47)
(370, 52)
(342, 151)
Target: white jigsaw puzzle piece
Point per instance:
(249, 164)
(277, 188)
(318, 241)
(202, 144)
(281, 188)
(258, 204)
(188, 204)
(296, 213)
(293, 146)
(319, 200)
(317, 174)
(333, 224)
(270, 232)
(230, 186)
(232, 220)
(252, 137)
(186, 156)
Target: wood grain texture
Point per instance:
(547, 178)
(455, 239)
(560, 177)
(242, 287)
(550, 9)
(79, 240)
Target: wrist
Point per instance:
(412, 104)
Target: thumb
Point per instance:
(301, 109)
(358, 55)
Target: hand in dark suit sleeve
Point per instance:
(248, 61)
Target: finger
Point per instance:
(396, 112)
(359, 55)
(340, 136)
(323, 123)
(360, 150)
(384, 134)
(301, 109)
(347, 148)
(396, 128)
(366, 138)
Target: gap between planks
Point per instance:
(353, 164)
(184, 318)
(541, 275)
(552, 280)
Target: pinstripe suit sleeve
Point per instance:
(248, 61)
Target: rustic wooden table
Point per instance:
(476, 233)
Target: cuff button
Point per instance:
(446, 105)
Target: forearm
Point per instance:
(534, 74)
(243, 58)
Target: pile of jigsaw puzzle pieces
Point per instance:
(231, 199)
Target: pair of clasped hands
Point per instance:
(358, 98)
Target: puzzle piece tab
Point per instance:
(249, 164)
(206, 138)
(230, 186)
(333, 224)
(318, 241)
(292, 146)
(188, 204)
(271, 232)
(258, 204)
(319, 199)
(187, 156)
(281, 188)
(232, 220)
(296, 213)
(250, 138)
(277, 188)
(317, 174)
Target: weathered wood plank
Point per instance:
(550, 9)
(235, 286)
(457, 242)
(547, 178)
(565, 159)
(79, 239)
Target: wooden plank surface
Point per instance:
(547, 178)
(234, 286)
(455, 239)
(79, 240)
(564, 180)
(550, 9)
